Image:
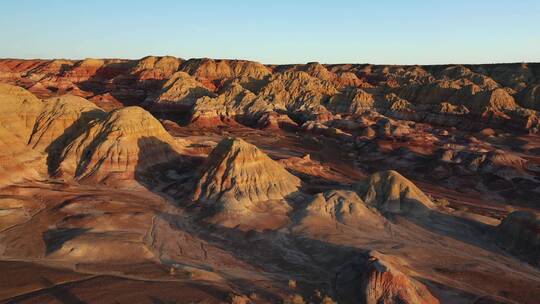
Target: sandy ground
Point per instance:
(94, 244)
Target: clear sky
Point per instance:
(277, 31)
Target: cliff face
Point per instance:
(469, 96)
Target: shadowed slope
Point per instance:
(238, 174)
(60, 114)
(111, 147)
(344, 207)
(245, 186)
(390, 192)
(376, 279)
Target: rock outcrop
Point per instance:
(351, 101)
(181, 91)
(344, 207)
(18, 162)
(73, 138)
(65, 116)
(208, 70)
(84, 70)
(232, 102)
(152, 67)
(479, 96)
(19, 111)
(299, 93)
(377, 279)
(117, 146)
(237, 176)
(390, 192)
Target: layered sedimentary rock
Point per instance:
(468, 97)
(344, 207)
(49, 70)
(377, 279)
(298, 93)
(295, 93)
(153, 67)
(211, 72)
(117, 146)
(233, 101)
(340, 79)
(19, 111)
(181, 91)
(371, 123)
(520, 232)
(17, 161)
(66, 116)
(74, 138)
(390, 192)
(351, 101)
(237, 176)
(87, 69)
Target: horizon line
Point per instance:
(276, 64)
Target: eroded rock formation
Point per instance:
(116, 147)
(377, 279)
(66, 116)
(237, 175)
(344, 207)
(390, 192)
(469, 97)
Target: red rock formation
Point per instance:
(481, 95)
(377, 279)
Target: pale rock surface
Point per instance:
(18, 162)
(152, 67)
(232, 102)
(84, 70)
(390, 192)
(116, 147)
(297, 92)
(210, 69)
(19, 111)
(237, 175)
(64, 116)
(351, 101)
(344, 207)
(182, 90)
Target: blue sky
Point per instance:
(278, 31)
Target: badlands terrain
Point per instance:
(164, 180)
